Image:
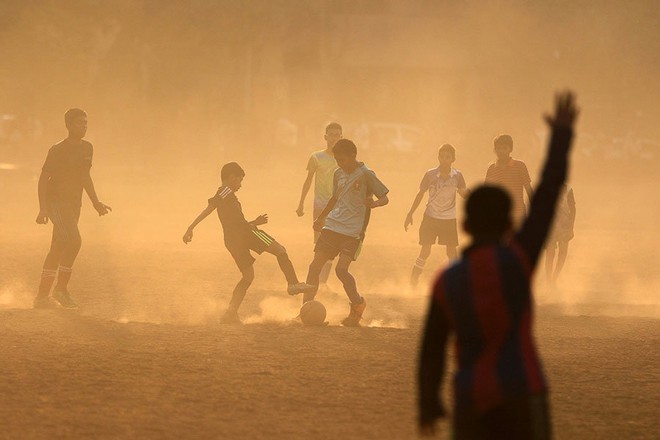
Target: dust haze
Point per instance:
(173, 90)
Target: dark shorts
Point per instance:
(442, 231)
(333, 243)
(523, 418)
(257, 241)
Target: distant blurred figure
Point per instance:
(511, 174)
(562, 232)
(343, 222)
(321, 167)
(64, 175)
(241, 237)
(439, 223)
(485, 298)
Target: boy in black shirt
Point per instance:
(63, 177)
(242, 236)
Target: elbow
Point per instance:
(384, 201)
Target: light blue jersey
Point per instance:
(350, 215)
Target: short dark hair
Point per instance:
(504, 140)
(231, 169)
(488, 211)
(448, 147)
(345, 147)
(72, 114)
(333, 126)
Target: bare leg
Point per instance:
(561, 258)
(549, 261)
(284, 262)
(350, 287)
(315, 268)
(241, 288)
(452, 253)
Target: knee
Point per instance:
(342, 273)
(248, 277)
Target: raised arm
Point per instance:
(534, 231)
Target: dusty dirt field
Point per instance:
(145, 358)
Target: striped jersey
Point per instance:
(485, 299)
(512, 176)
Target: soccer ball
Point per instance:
(312, 313)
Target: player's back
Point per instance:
(487, 297)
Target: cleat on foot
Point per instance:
(64, 298)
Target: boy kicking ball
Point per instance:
(241, 237)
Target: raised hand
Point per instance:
(566, 111)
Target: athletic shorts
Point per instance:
(65, 222)
(333, 243)
(442, 231)
(522, 418)
(257, 241)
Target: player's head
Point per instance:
(446, 154)
(232, 175)
(503, 145)
(488, 213)
(333, 133)
(345, 153)
(75, 120)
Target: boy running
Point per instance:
(321, 167)
(439, 223)
(342, 224)
(485, 298)
(64, 175)
(511, 174)
(241, 237)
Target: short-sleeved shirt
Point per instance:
(350, 215)
(442, 193)
(512, 176)
(236, 229)
(68, 163)
(324, 166)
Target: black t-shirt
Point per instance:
(234, 225)
(68, 164)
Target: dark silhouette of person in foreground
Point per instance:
(485, 299)
(64, 175)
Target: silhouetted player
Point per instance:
(241, 237)
(500, 391)
(439, 222)
(64, 175)
(511, 174)
(561, 233)
(321, 168)
(343, 222)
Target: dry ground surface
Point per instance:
(144, 357)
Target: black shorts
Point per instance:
(526, 417)
(442, 231)
(257, 241)
(333, 243)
